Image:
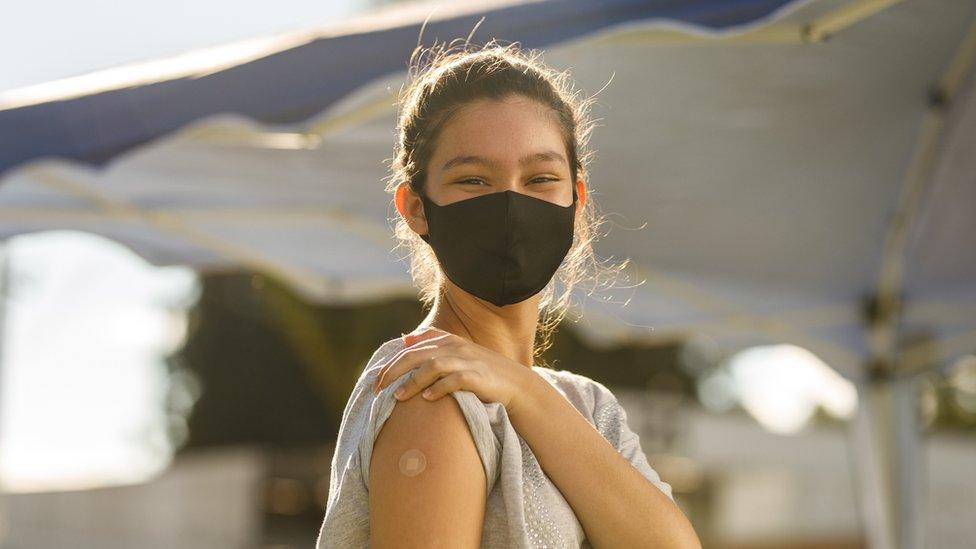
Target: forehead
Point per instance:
(503, 129)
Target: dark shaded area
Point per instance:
(257, 388)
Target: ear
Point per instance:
(580, 194)
(411, 208)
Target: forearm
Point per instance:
(616, 505)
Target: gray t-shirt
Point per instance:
(524, 508)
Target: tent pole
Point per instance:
(886, 430)
(885, 435)
(873, 492)
(908, 449)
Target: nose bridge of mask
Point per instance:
(509, 196)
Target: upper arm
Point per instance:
(442, 506)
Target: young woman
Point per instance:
(490, 185)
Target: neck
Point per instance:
(509, 330)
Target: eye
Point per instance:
(536, 180)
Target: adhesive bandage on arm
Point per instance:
(413, 462)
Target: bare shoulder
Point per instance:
(427, 485)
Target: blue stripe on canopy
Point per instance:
(293, 85)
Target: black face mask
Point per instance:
(503, 247)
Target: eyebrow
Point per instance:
(544, 156)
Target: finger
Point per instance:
(445, 385)
(397, 365)
(428, 337)
(402, 362)
(432, 369)
(427, 333)
(429, 342)
(415, 333)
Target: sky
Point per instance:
(44, 40)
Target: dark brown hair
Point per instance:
(447, 78)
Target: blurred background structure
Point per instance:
(197, 261)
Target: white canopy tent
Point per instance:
(794, 172)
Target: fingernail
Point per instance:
(399, 392)
(427, 393)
